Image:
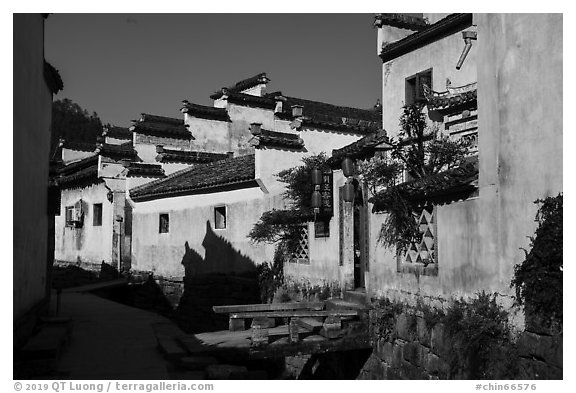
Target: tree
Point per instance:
(73, 123)
(283, 225)
(420, 150)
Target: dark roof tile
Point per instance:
(444, 187)
(363, 147)
(198, 178)
(403, 21)
(443, 28)
(161, 126)
(122, 151)
(244, 84)
(191, 157)
(205, 112)
(279, 139)
(451, 98)
(118, 132)
(140, 169)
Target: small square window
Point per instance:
(415, 87)
(69, 215)
(220, 217)
(164, 223)
(97, 212)
(321, 228)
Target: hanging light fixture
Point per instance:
(347, 167)
(316, 177)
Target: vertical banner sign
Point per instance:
(327, 194)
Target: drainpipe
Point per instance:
(468, 36)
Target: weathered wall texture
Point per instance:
(88, 244)
(520, 130)
(442, 57)
(209, 135)
(193, 246)
(32, 117)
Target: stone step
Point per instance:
(224, 371)
(170, 348)
(336, 304)
(310, 324)
(358, 297)
(197, 362)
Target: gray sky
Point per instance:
(121, 65)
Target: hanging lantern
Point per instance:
(316, 199)
(316, 177)
(348, 192)
(347, 166)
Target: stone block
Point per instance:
(406, 326)
(536, 369)
(411, 353)
(373, 368)
(423, 332)
(543, 347)
(384, 350)
(438, 341)
(412, 372)
(435, 365)
(397, 356)
(197, 362)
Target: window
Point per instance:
(69, 215)
(97, 215)
(220, 217)
(422, 256)
(321, 228)
(74, 215)
(164, 226)
(301, 254)
(415, 87)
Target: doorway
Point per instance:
(360, 226)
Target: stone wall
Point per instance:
(415, 350)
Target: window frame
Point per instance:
(415, 98)
(160, 226)
(225, 216)
(94, 216)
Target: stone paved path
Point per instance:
(110, 340)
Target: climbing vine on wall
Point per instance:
(538, 279)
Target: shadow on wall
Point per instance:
(224, 276)
(221, 257)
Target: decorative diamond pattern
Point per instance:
(425, 251)
(301, 255)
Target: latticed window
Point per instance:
(301, 254)
(422, 254)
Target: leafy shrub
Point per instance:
(538, 279)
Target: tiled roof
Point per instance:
(443, 28)
(79, 146)
(125, 150)
(198, 178)
(444, 187)
(118, 132)
(205, 112)
(181, 156)
(279, 139)
(403, 21)
(246, 99)
(161, 126)
(244, 84)
(76, 171)
(140, 169)
(333, 116)
(452, 97)
(363, 147)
